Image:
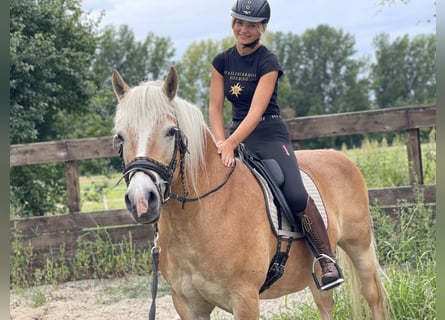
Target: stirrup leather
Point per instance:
(329, 285)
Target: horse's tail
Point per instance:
(355, 287)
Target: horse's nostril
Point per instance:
(152, 200)
(128, 202)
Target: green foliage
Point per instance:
(96, 258)
(413, 292)
(407, 250)
(130, 289)
(384, 165)
(195, 73)
(52, 45)
(61, 66)
(321, 76)
(409, 238)
(405, 243)
(22, 257)
(381, 165)
(39, 297)
(429, 158)
(321, 71)
(37, 190)
(405, 72)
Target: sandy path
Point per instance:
(116, 299)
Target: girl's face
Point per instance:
(245, 32)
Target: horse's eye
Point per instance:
(172, 131)
(119, 138)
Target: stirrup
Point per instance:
(329, 285)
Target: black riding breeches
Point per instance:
(270, 140)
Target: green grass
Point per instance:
(387, 166)
(102, 193)
(95, 258)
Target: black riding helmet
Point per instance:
(251, 10)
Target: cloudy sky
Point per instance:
(188, 21)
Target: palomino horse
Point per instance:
(214, 233)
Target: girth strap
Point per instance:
(276, 267)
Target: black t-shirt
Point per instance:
(241, 75)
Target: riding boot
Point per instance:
(314, 228)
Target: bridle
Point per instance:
(148, 166)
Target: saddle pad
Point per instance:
(286, 230)
(312, 189)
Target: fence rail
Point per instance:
(46, 234)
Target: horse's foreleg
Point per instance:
(198, 310)
(246, 306)
(324, 301)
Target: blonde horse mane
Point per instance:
(146, 105)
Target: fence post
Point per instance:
(72, 186)
(414, 156)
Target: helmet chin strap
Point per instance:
(252, 44)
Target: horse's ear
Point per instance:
(119, 86)
(171, 83)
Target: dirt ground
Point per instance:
(116, 299)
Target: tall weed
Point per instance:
(406, 250)
(96, 257)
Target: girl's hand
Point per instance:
(226, 150)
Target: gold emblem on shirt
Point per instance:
(236, 89)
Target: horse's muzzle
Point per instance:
(142, 199)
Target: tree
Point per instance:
(404, 71)
(195, 72)
(322, 71)
(52, 44)
(136, 60)
(322, 76)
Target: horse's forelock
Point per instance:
(142, 106)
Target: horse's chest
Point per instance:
(191, 279)
(194, 285)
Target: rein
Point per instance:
(155, 251)
(185, 199)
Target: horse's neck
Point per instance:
(184, 217)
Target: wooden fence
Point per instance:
(46, 234)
